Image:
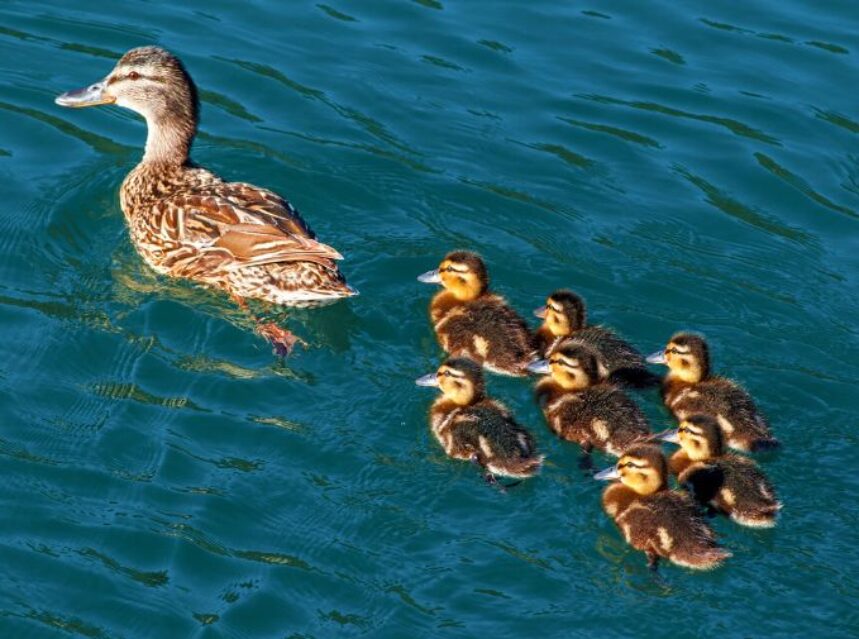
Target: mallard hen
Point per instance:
(187, 222)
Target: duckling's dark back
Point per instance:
(488, 330)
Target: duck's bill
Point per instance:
(657, 358)
(539, 367)
(540, 312)
(430, 277)
(671, 436)
(92, 95)
(427, 380)
(608, 474)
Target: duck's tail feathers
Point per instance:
(706, 559)
(520, 468)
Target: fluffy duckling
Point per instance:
(469, 425)
(580, 408)
(689, 388)
(730, 484)
(660, 522)
(187, 222)
(472, 322)
(565, 317)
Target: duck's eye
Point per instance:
(133, 75)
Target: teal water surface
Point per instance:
(681, 165)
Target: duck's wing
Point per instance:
(227, 229)
(269, 208)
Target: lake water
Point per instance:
(681, 165)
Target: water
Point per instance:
(687, 165)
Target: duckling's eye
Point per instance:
(133, 75)
(445, 374)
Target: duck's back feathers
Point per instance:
(187, 222)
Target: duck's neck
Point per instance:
(168, 141)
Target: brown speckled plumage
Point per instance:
(743, 426)
(482, 327)
(483, 430)
(598, 416)
(619, 361)
(662, 524)
(187, 222)
(731, 484)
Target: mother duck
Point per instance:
(187, 222)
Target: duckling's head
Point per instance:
(641, 467)
(463, 273)
(687, 357)
(572, 366)
(700, 436)
(459, 379)
(563, 313)
(154, 83)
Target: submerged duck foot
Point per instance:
(282, 340)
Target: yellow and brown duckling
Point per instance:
(471, 426)
(580, 408)
(565, 317)
(689, 388)
(660, 522)
(187, 222)
(729, 484)
(470, 321)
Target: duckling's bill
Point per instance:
(430, 277)
(92, 95)
(540, 312)
(608, 474)
(671, 436)
(657, 358)
(430, 379)
(539, 367)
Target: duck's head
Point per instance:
(459, 379)
(463, 273)
(154, 83)
(641, 467)
(687, 357)
(563, 313)
(572, 366)
(700, 437)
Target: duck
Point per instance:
(582, 408)
(732, 485)
(565, 317)
(662, 523)
(471, 426)
(471, 321)
(689, 388)
(187, 222)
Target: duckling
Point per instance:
(689, 388)
(660, 522)
(580, 408)
(187, 222)
(564, 317)
(472, 322)
(730, 484)
(469, 425)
